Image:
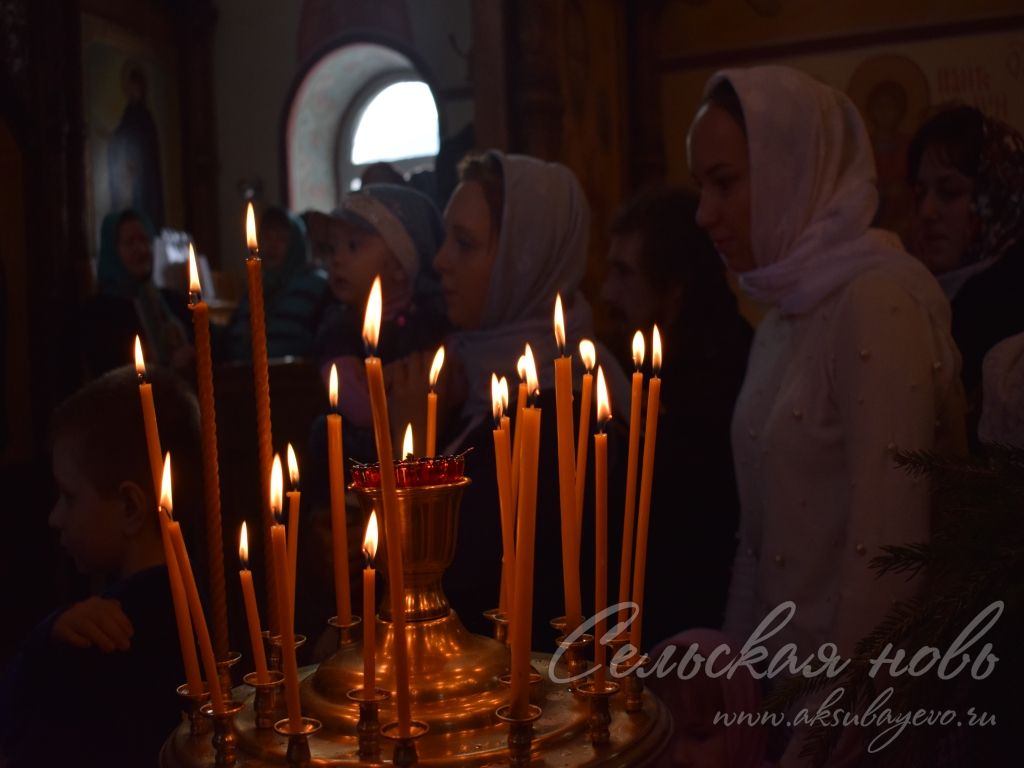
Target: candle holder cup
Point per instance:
(266, 701)
(632, 684)
(536, 690)
(404, 753)
(575, 654)
(224, 667)
(297, 754)
(520, 733)
(368, 728)
(197, 724)
(274, 657)
(500, 620)
(600, 715)
(225, 738)
(346, 632)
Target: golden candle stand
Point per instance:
(456, 686)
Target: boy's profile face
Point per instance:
(89, 522)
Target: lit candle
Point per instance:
(252, 613)
(516, 438)
(435, 371)
(370, 607)
(646, 481)
(339, 531)
(506, 423)
(604, 415)
(567, 476)
(261, 390)
(294, 501)
(629, 514)
(189, 658)
(588, 353)
(280, 550)
(503, 471)
(389, 499)
(521, 627)
(191, 592)
(156, 461)
(407, 451)
(211, 473)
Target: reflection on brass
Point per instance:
(455, 685)
(632, 684)
(575, 654)
(500, 621)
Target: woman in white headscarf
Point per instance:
(853, 361)
(517, 231)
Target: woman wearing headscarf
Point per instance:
(967, 170)
(853, 361)
(129, 304)
(294, 293)
(516, 236)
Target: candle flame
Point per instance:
(293, 466)
(604, 405)
(496, 409)
(332, 389)
(559, 324)
(243, 547)
(370, 539)
(532, 384)
(435, 367)
(250, 228)
(166, 497)
(638, 349)
(140, 361)
(371, 321)
(503, 385)
(521, 368)
(276, 486)
(193, 271)
(589, 354)
(656, 351)
(407, 452)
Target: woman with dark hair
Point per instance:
(852, 362)
(128, 303)
(967, 170)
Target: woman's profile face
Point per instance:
(467, 255)
(720, 165)
(944, 222)
(135, 249)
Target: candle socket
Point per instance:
(225, 738)
(405, 746)
(575, 655)
(500, 621)
(520, 734)
(632, 685)
(346, 632)
(368, 727)
(197, 724)
(600, 716)
(224, 670)
(267, 701)
(536, 690)
(274, 657)
(298, 755)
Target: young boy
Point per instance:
(95, 682)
